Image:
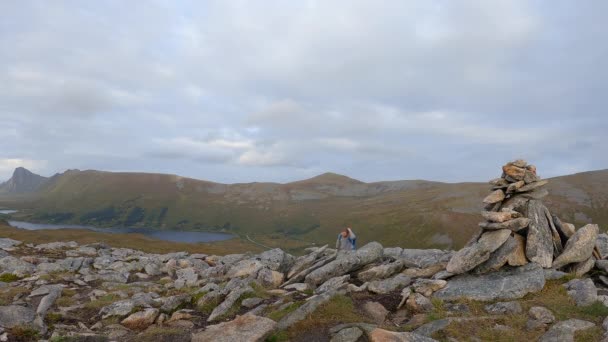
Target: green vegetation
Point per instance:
(162, 334)
(277, 315)
(23, 333)
(8, 277)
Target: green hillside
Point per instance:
(406, 213)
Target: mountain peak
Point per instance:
(331, 178)
(22, 181)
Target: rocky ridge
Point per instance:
(61, 290)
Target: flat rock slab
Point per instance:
(243, 328)
(513, 283)
(564, 331)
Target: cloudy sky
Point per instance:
(238, 91)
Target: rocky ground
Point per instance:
(63, 291)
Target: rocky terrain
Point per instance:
(525, 276)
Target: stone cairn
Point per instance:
(519, 229)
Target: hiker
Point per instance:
(346, 240)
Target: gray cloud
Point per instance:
(231, 91)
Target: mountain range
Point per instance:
(411, 213)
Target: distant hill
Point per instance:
(23, 181)
(411, 213)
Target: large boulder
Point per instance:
(502, 285)
(14, 315)
(277, 260)
(243, 328)
(230, 300)
(10, 264)
(381, 271)
(389, 285)
(346, 262)
(582, 291)
(423, 258)
(141, 319)
(467, 258)
(540, 240)
(579, 247)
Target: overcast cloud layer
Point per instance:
(239, 91)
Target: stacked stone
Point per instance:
(519, 229)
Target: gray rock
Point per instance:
(14, 315)
(245, 268)
(503, 308)
(305, 310)
(418, 303)
(583, 291)
(498, 258)
(277, 260)
(152, 269)
(602, 245)
(345, 263)
(230, 300)
(333, 284)
(426, 287)
(8, 243)
(532, 186)
(405, 294)
(564, 331)
(582, 268)
(430, 328)
(602, 265)
(269, 278)
(347, 335)
(57, 245)
(539, 242)
(305, 262)
(502, 285)
(170, 304)
(423, 258)
(389, 285)
(301, 287)
(494, 197)
(375, 311)
(251, 302)
(514, 225)
(579, 247)
(393, 252)
(120, 308)
(467, 258)
(541, 314)
(10, 264)
(186, 277)
(47, 301)
(381, 271)
(381, 335)
(242, 328)
(551, 274)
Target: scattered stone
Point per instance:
(251, 302)
(541, 314)
(389, 285)
(551, 274)
(500, 216)
(231, 298)
(498, 258)
(141, 319)
(405, 294)
(120, 308)
(426, 287)
(564, 331)
(351, 334)
(381, 271)
(300, 287)
(381, 335)
(375, 311)
(502, 285)
(270, 278)
(424, 258)
(514, 225)
(583, 267)
(15, 315)
(425, 272)
(503, 308)
(583, 291)
(518, 255)
(333, 284)
(306, 309)
(242, 328)
(418, 303)
(430, 328)
(170, 304)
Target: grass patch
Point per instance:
(102, 301)
(197, 296)
(280, 336)
(162, 334)
(23, 333)
(52, 318)
(7, 294)
(9, 277)
(277, 315)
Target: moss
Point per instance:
(52, 318)
(280, 336)
(9, 277)
(162, 334)
(197, 296)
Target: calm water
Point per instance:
(7, 211)
(175, 236)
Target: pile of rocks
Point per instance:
(519, 229)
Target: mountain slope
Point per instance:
(408, 213)
(22, 181)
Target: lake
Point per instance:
(7, 211)
(166, 235)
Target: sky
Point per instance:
(241, 91)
